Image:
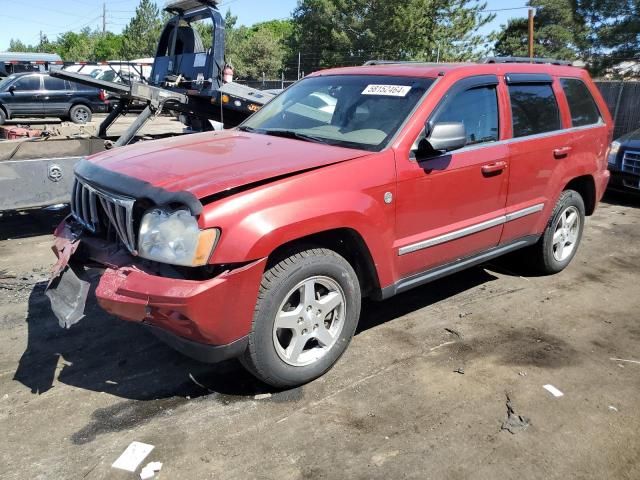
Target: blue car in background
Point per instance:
(38, 95)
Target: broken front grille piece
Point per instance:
(90, 205)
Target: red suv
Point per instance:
(260, 242)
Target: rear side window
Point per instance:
(477, 109)
(51, 83)
(534, 109)
(584, 110)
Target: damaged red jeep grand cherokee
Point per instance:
(260, 242)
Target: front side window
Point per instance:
(534, 109)
(584, 110)
(477, 109)
(29, 83)
(353, 111)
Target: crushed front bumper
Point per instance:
(208, 320)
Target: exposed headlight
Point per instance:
(174, 237)
(613, 152)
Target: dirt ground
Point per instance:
(394, 406)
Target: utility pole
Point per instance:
(532, 14)
(41, 36)
(299, 64)
(104, 18)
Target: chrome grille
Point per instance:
(631, 162)
(88, 204)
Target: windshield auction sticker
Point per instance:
(387, 90)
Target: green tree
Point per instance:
(342, 32)
(259, 50)
(614, 30)
(76, 47)
(140, 36)
(558, 32)
(108, 47)
(16, 45)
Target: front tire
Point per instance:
(306, 314)
(80, 114)
(3, 117)
(561, 239)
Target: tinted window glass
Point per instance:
(51, 83)
(477, 109)
(32, 82)
(581, 104)
(534, 109)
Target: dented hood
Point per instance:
(209, 163)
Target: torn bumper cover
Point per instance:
(207, 320)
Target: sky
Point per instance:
(25, 19)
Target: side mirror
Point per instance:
(12, 88)
(447, 136)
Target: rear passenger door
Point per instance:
(57, 97)
(538, 150)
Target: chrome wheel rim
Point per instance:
(81, 115)
(309, 321)
(565, 236)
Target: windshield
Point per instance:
(6, 81)
(362, 111)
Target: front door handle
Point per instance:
(562, 152)
(494, 168)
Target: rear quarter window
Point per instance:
(584, 110)
(534, 109)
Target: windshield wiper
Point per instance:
(244, 128)
(294, 135)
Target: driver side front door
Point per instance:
(26, 99)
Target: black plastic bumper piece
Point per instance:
(200, 351)
(625, 182)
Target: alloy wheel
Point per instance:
(309, 321)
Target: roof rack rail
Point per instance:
(551, 61)
(392, 62)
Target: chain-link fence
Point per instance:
(623, 99)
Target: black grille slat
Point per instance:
(118, 209)
(631, 162)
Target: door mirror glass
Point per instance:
(447, 136)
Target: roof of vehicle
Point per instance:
(432, 70)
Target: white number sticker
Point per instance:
(387, 90)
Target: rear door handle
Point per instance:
(492, 168)
(562, 152)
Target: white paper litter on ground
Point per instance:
(553, 390)
(150, 470)
(133, 456)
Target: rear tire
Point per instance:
(561, 238)
(3, 117)
(80, 114)
(306, 314)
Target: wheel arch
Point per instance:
(346, 242)
(585, 185)
(81, 101)
(6, 111)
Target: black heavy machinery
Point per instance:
(187, 76)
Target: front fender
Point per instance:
(256, 223)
